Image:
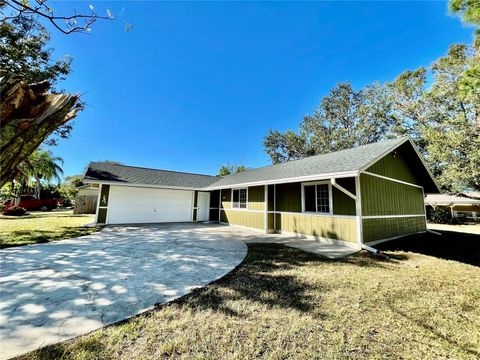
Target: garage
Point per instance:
(129, 204)
(137, 195)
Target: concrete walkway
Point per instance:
(57, 291)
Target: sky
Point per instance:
(194, 85)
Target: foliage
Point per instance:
(469, 10)
(40, 166)
(439, 215)
(426, 104)
(14, 211)
(69, 189)
(228, 169)
(66, 24)
(24, 52)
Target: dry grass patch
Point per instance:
(285, 303)
(42, 227)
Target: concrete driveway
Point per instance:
(56, 291)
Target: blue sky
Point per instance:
(196, 85)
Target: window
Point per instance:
(239, 198)
(316, 198)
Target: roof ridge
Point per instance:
(318, 155)
(147, 168)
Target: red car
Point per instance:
(30, 202)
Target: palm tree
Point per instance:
(40, 165)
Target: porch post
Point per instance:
(358, 207)
(265, 198)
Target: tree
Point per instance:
(228, 169)
(345, 118)
(40, 166)
(32, 109)
(426, 104)
(469, 10)
(28, 115)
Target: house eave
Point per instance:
(287, 180)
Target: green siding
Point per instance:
(102, 216)
(271, 197)
(342, 203)
(226, 195)
(396, 165)
(330, 227)
(256, 198)
(378, 229)
(194, 215)
(385, 197)
(243, 218)
(289, 197)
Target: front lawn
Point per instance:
(453, 244)
(283, 303)
(41, 227)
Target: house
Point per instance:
(366, 194)
(463, 207)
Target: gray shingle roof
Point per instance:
(345, 161)
(349, 160)
(108, 172)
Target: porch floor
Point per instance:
(325, 247)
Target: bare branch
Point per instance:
(44, 11)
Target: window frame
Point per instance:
(330, 197)
(246, 198)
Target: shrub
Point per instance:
(440, 215)
(15, 211)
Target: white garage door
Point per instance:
(146, 205)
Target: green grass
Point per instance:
(283, 303)
(42, 227)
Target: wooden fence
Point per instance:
(85, 204)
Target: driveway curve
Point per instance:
(56, 291)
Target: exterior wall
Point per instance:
(285, 211)
(387, 228)
(397, 166)
(385, 197)
(243, 218)
(391, 208)
(253, 216)
(331, 227)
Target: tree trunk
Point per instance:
(28, 115)
(38, 187)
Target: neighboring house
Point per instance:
(464, 207)
(86, 199)
(367, 194)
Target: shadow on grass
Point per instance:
(450, 245)
(89, 348)
(29, 237)
(433, 330)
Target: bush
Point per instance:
(440, 215)
(15, 211)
